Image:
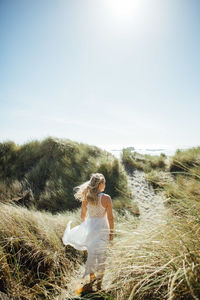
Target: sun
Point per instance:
(125, 10)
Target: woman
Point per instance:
(96, 229)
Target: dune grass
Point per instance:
(156, 263)
(43, 174)
(158, 179)
(185, 160)
(145, 260)
(163, 262)
(34, 264)
(181, 183)
(143, 263)
(133, 160)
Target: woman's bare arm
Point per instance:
(83, 210)
(110, 216)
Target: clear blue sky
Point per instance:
(103, 72)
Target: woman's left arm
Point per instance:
(83, 210)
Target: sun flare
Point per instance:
(125, 10)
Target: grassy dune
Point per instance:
(181, 182)
(34, 264)
(160, 263)
(145, 261)
(36, 201)
(147, 163)
(43, 174)
(163, 262)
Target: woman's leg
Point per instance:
(101, 259)
(90, 263)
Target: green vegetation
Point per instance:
(181, 182)
(34, 264)
(43, 174)
(157, 263)
(133, 160)
(163, 262)
(158, 179)
(187, 161)
(144, 262)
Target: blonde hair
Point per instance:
(88, 191)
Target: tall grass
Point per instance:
(163, 261)
(156, 263)
(150, 260)
(34, 264)
(133, 160)
(43, 174)
(181, 187)
(185, 160)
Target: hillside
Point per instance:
(42, 175)
(153, 256)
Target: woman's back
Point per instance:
(96, 211)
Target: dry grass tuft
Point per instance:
(163, 261)
(155, 262)
(147, 163)
(34, 263)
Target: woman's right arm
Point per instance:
(110, 217)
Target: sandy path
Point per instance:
(151, 205)
(152, 219)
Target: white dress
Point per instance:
(91, 235)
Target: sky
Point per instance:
(109, 73)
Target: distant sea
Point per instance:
(151, 150)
